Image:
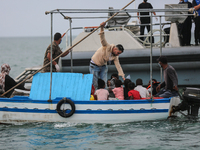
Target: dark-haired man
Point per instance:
(55, 52)
(170, 83)
(107, 52)
(145, 20)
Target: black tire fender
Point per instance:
(63, 113)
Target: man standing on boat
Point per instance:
(55, 52)
(170, 83)
(196, 5)
(107, 52)
(145, 20)
(186, 26)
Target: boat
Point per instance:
(65, 97)
(135, 60)
(70, 102)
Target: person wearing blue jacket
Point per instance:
(196, 5)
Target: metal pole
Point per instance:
(151, 56)
(160, 47)
(51, 57)
(70, 25)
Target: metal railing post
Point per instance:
(51, 56)
(160, 47)
(70, 25)
(151, 62)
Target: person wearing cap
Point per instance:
(145, 20)
(170, 84)
(106, 53)
(56, 51)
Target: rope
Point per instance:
(67, 49)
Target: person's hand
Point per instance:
(123, 78)
(102, 24)
(139, 21)
(191, 10)
(158, 88)
(175, 88)
(57, 68)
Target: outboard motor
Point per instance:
(191, 102)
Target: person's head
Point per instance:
(126, 81)
(153, 81)
(5, 68)
(118, 83)
(139, 82)
(114, 75)
(57, 38)
(162, 61)
(131, 85)
(108, 82)
(101, 84)
(117, 50)
(145, 1)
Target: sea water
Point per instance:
(173, 134)
(177, 134)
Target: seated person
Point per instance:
(101, 93)
(169, 87)
(126, 90)
(111, 85)
(6, 82)
(111, 94)
(133, 94)
(118, 90)
(143, 91)
(155, 83)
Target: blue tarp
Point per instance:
(71, 85)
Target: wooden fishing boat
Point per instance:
(70, 102)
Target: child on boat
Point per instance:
(118, 90)
(109, 88)
(139, 87)
(126, 90)
(133, 94)
(101, 93)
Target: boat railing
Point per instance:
(179, 13)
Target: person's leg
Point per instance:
(159, 93)
(196, 30)
(142, 32)
(149, 29)
(169, 93)
(103, 73)
(95, 71)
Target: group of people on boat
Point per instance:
(98, 67)
(183, 28)
(186, 26)
(116, 90)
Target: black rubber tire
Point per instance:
(63, 113)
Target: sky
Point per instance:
(26, 18)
